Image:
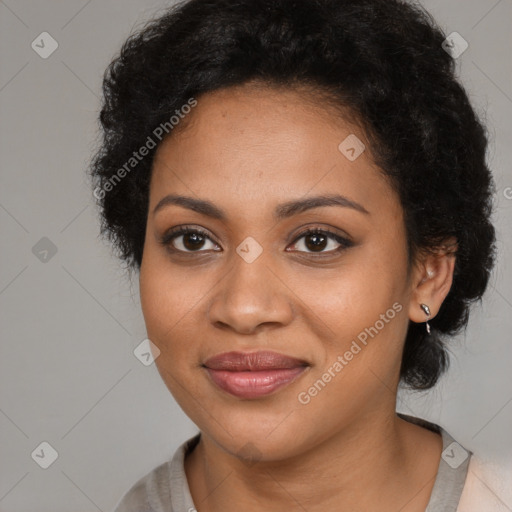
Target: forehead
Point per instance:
(255, 146)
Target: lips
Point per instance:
(253, 374)
(253, 361)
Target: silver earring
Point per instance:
(426, 310)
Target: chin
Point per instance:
(259, 436)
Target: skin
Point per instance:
(248, 149)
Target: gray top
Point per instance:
(165, 488)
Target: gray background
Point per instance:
(69, 325)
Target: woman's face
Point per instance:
(254, 282)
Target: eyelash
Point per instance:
(345, 243)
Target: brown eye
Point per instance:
(192, 240)
(317, 240)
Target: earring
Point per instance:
(426, 310)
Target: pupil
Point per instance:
(196, 243)
(318, 243)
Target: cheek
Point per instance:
(173, 301)
(358, 309)
(167, 292)
(358, 321)
(355, 294)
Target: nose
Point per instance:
(251, 297)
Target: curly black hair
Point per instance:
(381, 60)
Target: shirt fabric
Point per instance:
(165, 488)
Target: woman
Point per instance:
(302, 186)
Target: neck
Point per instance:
(369, 465)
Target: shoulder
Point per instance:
(151, 493)
(164, 488)
(487, 487)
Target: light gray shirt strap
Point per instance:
(452, 470)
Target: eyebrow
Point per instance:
(282, 211)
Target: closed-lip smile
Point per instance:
(253, 374)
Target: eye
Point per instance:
(316, 240)
(186, 239)
(192, 239)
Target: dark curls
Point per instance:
(382, 60)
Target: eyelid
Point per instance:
(323, 230)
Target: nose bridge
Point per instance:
(250, 294)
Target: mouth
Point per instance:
(254, 374)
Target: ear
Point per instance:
(431, 280)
